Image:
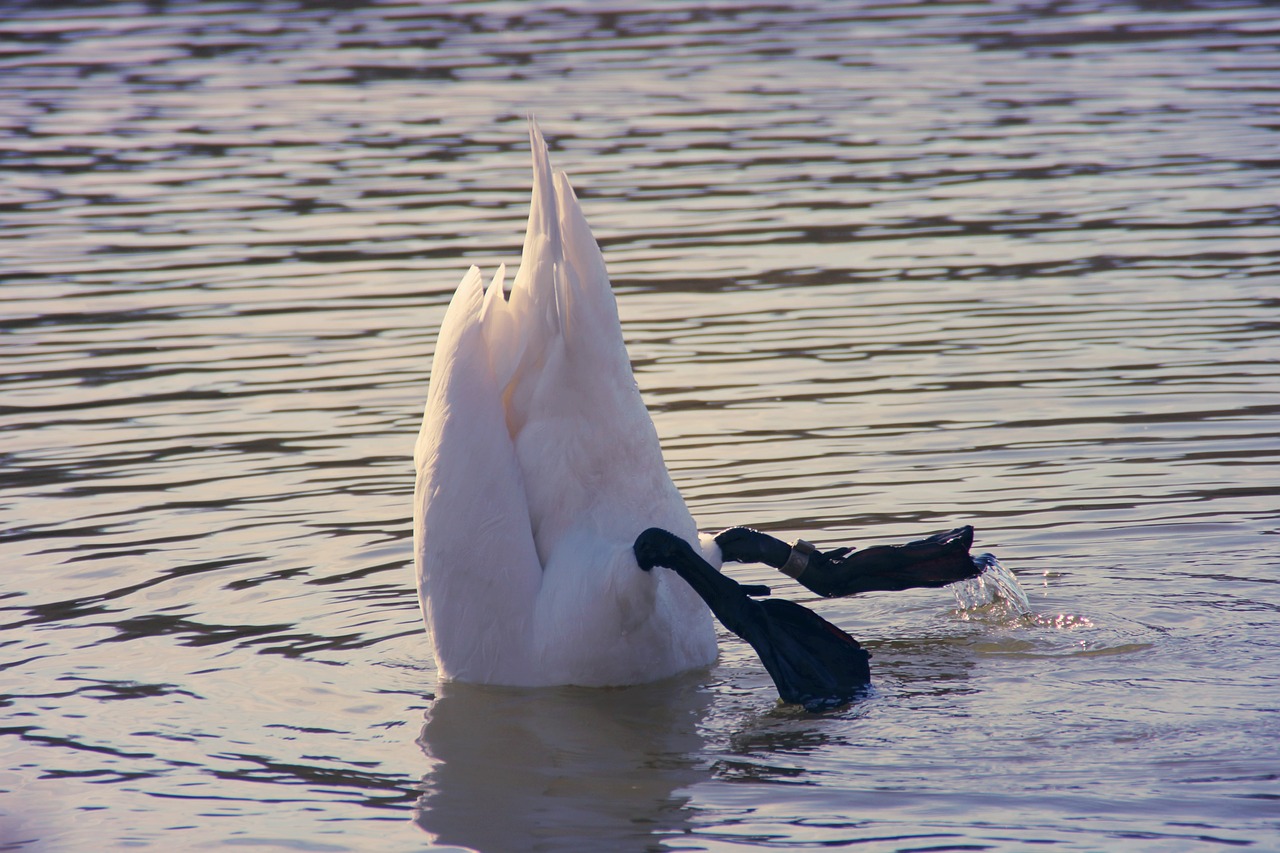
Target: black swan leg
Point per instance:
(812, 662)
(936, 561)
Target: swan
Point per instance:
(551, 546)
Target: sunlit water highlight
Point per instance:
(883, 269)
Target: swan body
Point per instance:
(537, 468)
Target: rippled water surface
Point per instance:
(883, 268)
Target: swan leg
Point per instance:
(935, 561)
(812, 662)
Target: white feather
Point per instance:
(537, 467)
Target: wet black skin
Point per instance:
(812, 662)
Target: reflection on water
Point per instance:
(562, 769)
(884, 268)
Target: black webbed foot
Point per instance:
(936, 561)
(812, 662)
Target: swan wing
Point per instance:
(478, 572)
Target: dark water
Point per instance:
(883, 268)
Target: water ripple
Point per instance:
(883, 268)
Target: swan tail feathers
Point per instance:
(562, 277)
(505, 338)
(534, 294)
(592, 308)
(543, 221)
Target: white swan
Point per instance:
(537, 467)
(541, 493)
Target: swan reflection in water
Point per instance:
(554, 767)
(588, 768)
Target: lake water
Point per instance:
(884, 268)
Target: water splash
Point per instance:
(995, 592)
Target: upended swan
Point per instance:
(552, 547)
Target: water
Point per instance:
(883, 268)
(995, 591)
